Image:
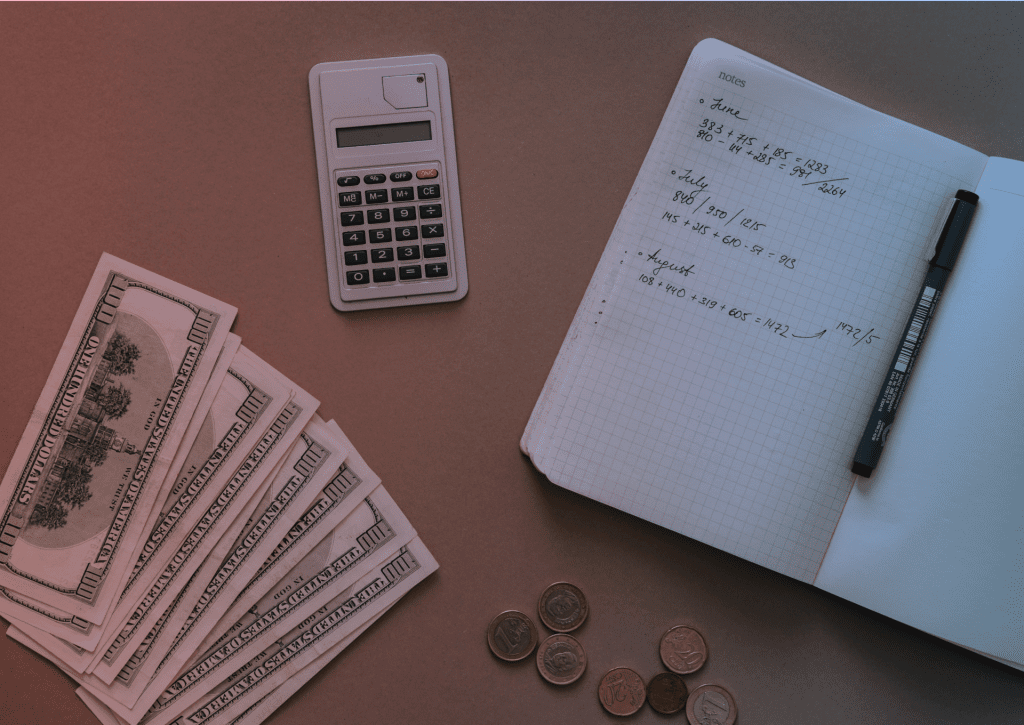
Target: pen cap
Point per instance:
(955, 230)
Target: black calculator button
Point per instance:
(430, 191)
(378, 216)
(406, 234)
(351, 218)
(348, 180)
(384, 274)
(401, 175)
(405, 253)
(379, 236)
(350, 239)
(382, 254)
(401, 193)
(359, 276)
(350, 198)
(430, 211)
(432, 230)
(437, 269)
(357, 257)
(405, 213)
(374, 178)
(413, 272)
(433, 250)
(376, 196)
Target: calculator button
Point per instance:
(405, 253)
(350, 239)
(358, 257)
(402, 193)
(351, 218)
(437, 269)
(432, 230)
(380, 236)
(405, 213)
(350, 198)
(426, 174)
(374, 178)
(378, 216)
(405, 234)
(430, 211)
(385, 274)
(376, 196)
(359, 276)
(348, 180)
(382, 254)
(433, 250)
(413, 272)
(401, 175)
(430, 191)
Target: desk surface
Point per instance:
(180, 138)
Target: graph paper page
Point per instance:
(722, 365)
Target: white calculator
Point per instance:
(389, 185)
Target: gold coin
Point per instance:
(512, 636)
(622, 691)
(683, 650)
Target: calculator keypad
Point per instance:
(393, 229)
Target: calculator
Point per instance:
(389, 184)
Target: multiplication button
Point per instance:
(432, 230)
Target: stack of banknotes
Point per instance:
(182, 533)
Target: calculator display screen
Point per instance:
(385, 133)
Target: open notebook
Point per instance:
(720, 370)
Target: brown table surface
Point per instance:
(179, 137)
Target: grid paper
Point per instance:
(706, 418)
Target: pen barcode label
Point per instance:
(924, 307)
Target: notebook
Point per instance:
(722, 365)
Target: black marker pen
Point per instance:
(946, 250)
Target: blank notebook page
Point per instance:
(722, 365)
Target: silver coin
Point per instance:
(710, 705)
(561, 659)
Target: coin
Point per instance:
(562, 607)
(710, 705)
(666, 692)
(561, 659)
(683, 650)
(512, 636)
(622, 691)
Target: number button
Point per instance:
(432, 230)
(430, 191)
(350, 239)
(405, 253)
(383, 254)
(406, 234)
(354, 258)
(378, 216)
(350, 198)
(380, 236)
(351, 218)
(359, 276)
(405, 213)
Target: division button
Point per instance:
(430, 211)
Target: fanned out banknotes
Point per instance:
(181, 533)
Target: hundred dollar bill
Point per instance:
(310, 638)
(249, 400)
(307, 468)
(102, 435)
(216, 530)
(373, 533)
(352, 482)
(61, 628)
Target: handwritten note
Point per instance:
(754, 288)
